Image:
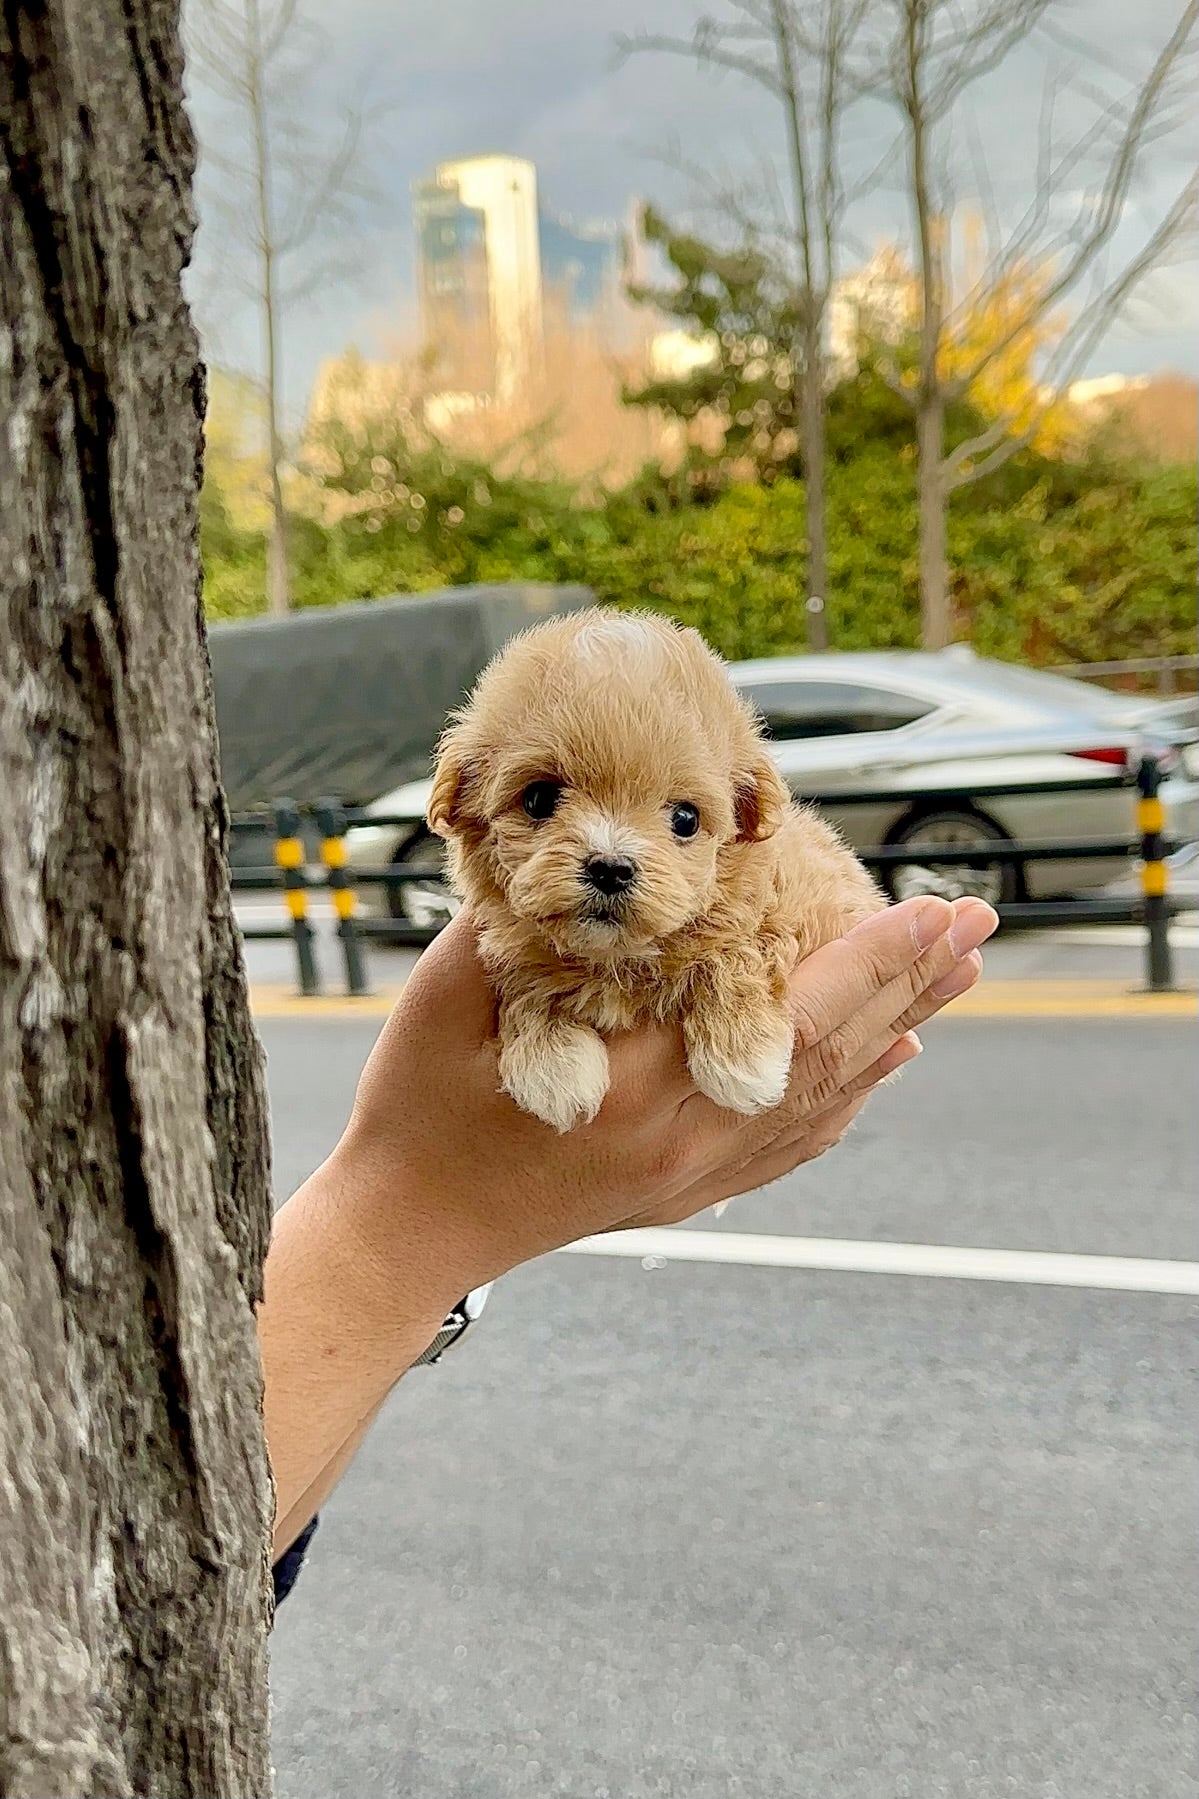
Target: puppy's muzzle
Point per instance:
(610, 876)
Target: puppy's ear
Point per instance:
(449, 778)
(760, 799)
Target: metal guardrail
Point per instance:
(1153, 908)
(1164, 669)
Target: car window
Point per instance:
(795, 709)
(1046, 692)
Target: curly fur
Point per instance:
(631, 715)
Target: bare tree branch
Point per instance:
(276, 34)
(925, 57)
(332, 183)
(261, 57)
(799, 52)
(1072, 355)
(707, 52)
(1103, 216)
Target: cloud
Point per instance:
(539, 78)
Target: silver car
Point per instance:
(929, 738)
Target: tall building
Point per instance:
(875, 303)
(480, 273)
(582, 272)
(497, 274)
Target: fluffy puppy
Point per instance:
(630, 852)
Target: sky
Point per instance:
(541, 79)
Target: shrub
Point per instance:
(1050, 561)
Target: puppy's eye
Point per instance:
(540, 798)
(684, 819)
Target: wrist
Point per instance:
(414, 1252)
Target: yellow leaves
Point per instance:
(235, 458)
(999, 330)
(998, 337)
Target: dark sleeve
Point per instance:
(287, 1568)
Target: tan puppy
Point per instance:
(630, 852)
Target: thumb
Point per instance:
(450, 980)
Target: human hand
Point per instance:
(449, 1185)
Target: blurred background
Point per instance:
(539, 301)
(859, 336)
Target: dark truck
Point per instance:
(347, 701)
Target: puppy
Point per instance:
(630, 852)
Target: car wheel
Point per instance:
(999, 883)
(427, 904)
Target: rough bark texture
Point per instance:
(936, 621)
(812, 410)
(134, 1491)
(932, 487)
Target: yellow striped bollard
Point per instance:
(331, 823)
(1151, 823)
(289, 857)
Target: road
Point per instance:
(708, 1529)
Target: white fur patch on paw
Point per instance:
(749, 1086)
(559, 1075)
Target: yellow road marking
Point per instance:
(269, 1001)
(1070, 999)
(991, 999)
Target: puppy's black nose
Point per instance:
(609, 874)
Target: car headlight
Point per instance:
(372, 843)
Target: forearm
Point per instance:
(288, 1527)
(441, 1184)
(337, 1328)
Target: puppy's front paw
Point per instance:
(556, 1072)
(740, 1069)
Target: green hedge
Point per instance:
(1050, 562)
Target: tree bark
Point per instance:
(812, 436)
(932, 487)
(936, 624)
(134, 1186)
(278, 571)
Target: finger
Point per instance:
(820, 1064)
(896, 1056)
(959, 980)
(824, 1070)
(818, 1134)
(772, 1162)
(863, 1082)
(830, 985)
(822, 1067)
(786, 1149)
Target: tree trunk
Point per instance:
(933, 495)
(134, 1490)
(278, 570)
(812, 434)
(936, 627)
(278, 573)
(278, 577)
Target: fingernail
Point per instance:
(971, 926)
(901, 1052)
(931, 922)
(959, 979)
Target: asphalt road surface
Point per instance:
(713, 1529)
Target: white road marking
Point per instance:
(1042, 1268)
(1119, 936)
